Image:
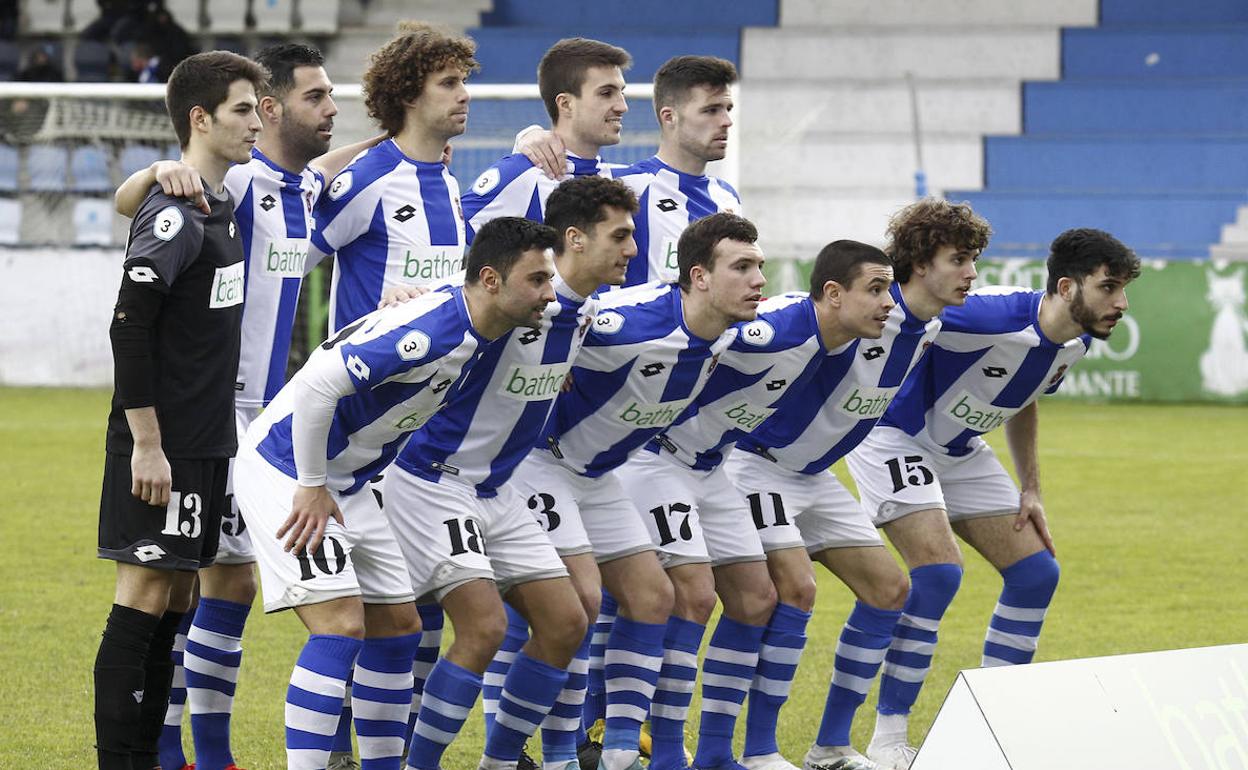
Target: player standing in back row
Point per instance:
(175, 335)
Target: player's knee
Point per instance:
(797, 591)
(649, 599)
(1038, 573)
(563, 630)
(591, 599)
(349, 625)
(938, 580)
(891, 594)
(758, 602)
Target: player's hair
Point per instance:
(281, 60)
(842, 261)
(1080, 252)
(501, 242)
(679, 74)
(397, 72)
(918, 231)
(697, 242)
(563, 67)
(204, 80)
(581, 202)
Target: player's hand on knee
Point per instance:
(150, 476)
(397, 295)
(1030, 509)
(310, 511)
(181, 181)
(544, 150)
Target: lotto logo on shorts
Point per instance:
(534, 383)
(746, 416)
(638, 415)
(867, 403)
(969, 411)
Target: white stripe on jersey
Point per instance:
(392, 220)
(396, 367)
(273, 208)
(501, 408)
(773, 356)
(639, 368)
(846, 396)
(669, 201)
(989, 361)
(514, 187)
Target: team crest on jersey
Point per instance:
(608, 323)
(341, 185)
(168, 223)
(1058, 374)
(487, 181)
(413, 346)
(758, 332)
(714, 363)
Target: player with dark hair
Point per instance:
(175, 337)
(925, 473)
(312, 454)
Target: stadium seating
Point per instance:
(134, 157)
(47, 167)
(44, 16)
(91, 62)
(93, 222)
(88, 168)
(186, 13)
(318, 17)
(82, 13)
(226, 17)
(10, 60)
(10, 221)
(9, 165)
(272, 16)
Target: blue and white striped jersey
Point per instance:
(989, 361)
(391, 220)
(499, 411)
(514, 187)
(638, 370)
(768, 364)
(839, 405)
(383, 377)
(273, 208)
(669, 200)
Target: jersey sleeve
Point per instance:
(502, 190)
(344, 212)
(166, 237)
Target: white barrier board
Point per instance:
(1173, 710)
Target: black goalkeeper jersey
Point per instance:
(175, 328)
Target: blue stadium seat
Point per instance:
(10, 60)
(272, 16)
(318, 17)
(93, 222)
(1134, 106)
(9, 164)
(1135, 12)
(88, 166)
(656, 14)
(47, 167)
(1155, 52)
(230, 43)
(1127, 163)
(135, 157)
(10, 221)
(91, 62)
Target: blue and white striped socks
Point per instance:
(1015, 626)
(381, 699)
(859, 653)
(170, 746)
(670, 708)
(528, 694)
(314, 699)
(596, 684)
(909, 656)
(450, 693)
(214, 652)
(496, 673)
(783, 642)
(561, 730)
(727, 672)
(631, 666)
(432, 620)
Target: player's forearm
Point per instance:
(1022, 432)
(316, 398)
(130, 195)
(334, 161)
(144, 427)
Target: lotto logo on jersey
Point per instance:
(227, 286)
(972, 413)
(534, 383)
(636, 414)
(867, 403)
(425, 263)
(746, 416)
(285, 257)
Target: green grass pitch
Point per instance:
(1146, 504)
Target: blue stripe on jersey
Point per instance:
(571, 411)
(245, 216)
(697, 199)
(638, 271)
(296, 227)
(356, 284)
(437, 200)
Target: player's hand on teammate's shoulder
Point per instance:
(181, 181)
(545, 150)
(310, 510)
(151, 478)
(397, 295)
(1031, 509)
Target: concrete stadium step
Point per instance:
(1155, 225)
(458, 15)
(654, 14)
(880, 53)
(798, 221)
(1116, 162)
(788, 109)
(1219, 51)
(1136, 106)
(1169, 12)
(950, 13)
(858, 161)
(368, 28)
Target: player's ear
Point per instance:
(270, 108)
(563, 101)
(1066, 287)
(490, 279)
(833, 292)
(667, 115)
(574, 237)
(201, 119)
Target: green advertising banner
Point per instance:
(1184, 338)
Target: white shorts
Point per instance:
(234, 547)
(359, 559)
(794, 509)
(450, 536)
(898, 474)
(580, 514)
(693, 516)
